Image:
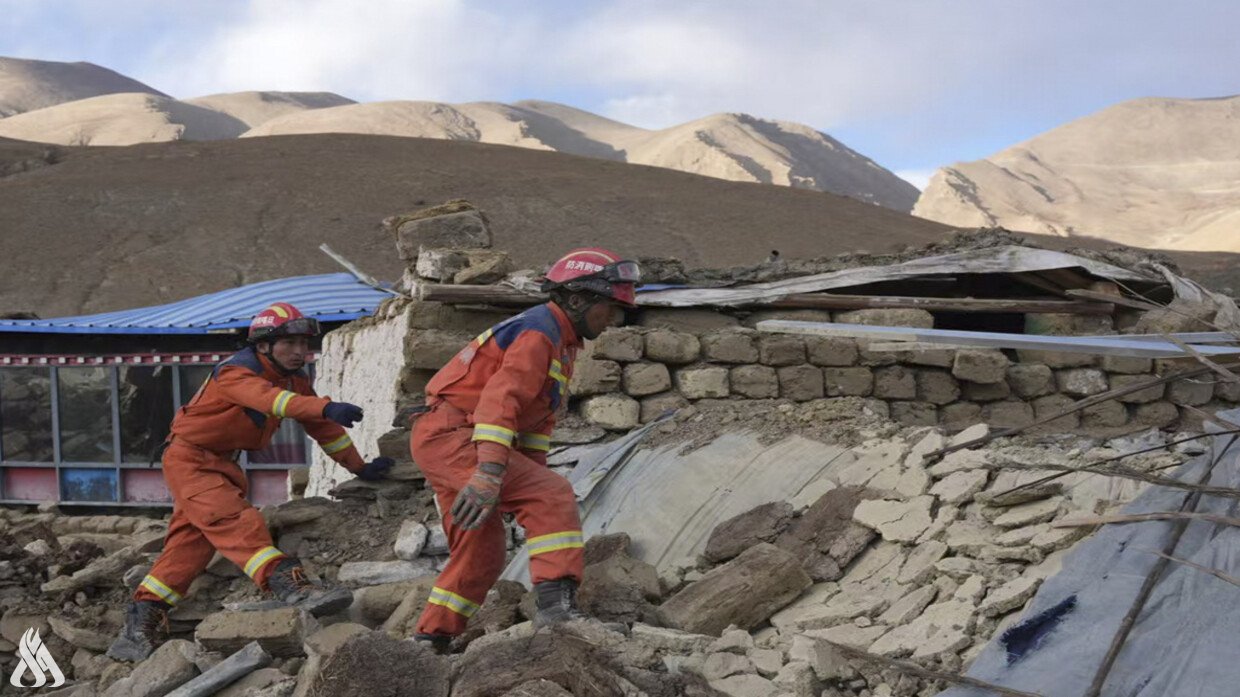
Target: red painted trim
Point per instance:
(43, 360)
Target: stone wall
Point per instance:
(674, 357)
(634, 373)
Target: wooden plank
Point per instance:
(1066, 344)
(482, 295)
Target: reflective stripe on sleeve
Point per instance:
(569, 539)
(260, 558)
(337, 445)
(495, 434)
(557, 372)
(281, 403)
(535, 441)
(161, 589)
(459, 604)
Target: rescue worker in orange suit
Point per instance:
(239, 408)
(483, 444)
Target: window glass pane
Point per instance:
(288, 446)
(85, 415)
(81, 484)
(26, 414)
(146, 409)
(192, 378)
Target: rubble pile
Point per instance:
(900, 555)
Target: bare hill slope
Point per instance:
(737, 147)
(26, 85)
(1148, 172)
(95, 229)
(121, 119)
(255, 108)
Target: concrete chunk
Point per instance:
(411, 540)
(373, 573)
(281, 632)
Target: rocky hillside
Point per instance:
(26, 85)
(736, 147)
(1161, 173)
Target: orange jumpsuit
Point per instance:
(496, 401)
(238, 408)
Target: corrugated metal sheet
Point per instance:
(333, 297)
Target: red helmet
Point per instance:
(598, 271)
(281, 319)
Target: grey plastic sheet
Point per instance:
(1186, 640)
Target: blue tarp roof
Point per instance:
(332, 297)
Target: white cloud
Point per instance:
(910, 82)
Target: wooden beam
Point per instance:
(479, 295)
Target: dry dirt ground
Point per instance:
(100, 229)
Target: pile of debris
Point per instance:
(898, 555)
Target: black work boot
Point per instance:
(440, 643)
(557, 602)
(292, 586)
(143, 619)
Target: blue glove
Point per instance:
(343, 413)
(376, 469)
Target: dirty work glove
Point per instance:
(376, 469)
(479, 497)
(343, 413)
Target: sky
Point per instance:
(913, 84)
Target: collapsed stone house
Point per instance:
(775, 514)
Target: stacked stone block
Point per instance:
(646, 370)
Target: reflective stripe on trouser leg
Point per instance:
(459, 604)
(554, 542)
(259, 560)
(475, 562)
(157, 587)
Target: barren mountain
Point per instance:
(737, 147)
(255, 108)
(1150, 172)
(96, 229)
(26, 85)
(121, 119)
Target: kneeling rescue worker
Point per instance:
(239, 408)
(483, 444)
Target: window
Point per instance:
(26, 415)
(145, 398)
(85, 400)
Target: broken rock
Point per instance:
(762, 524)
(743, 592)
(281, 632)
(171, 666)
(896, 521)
